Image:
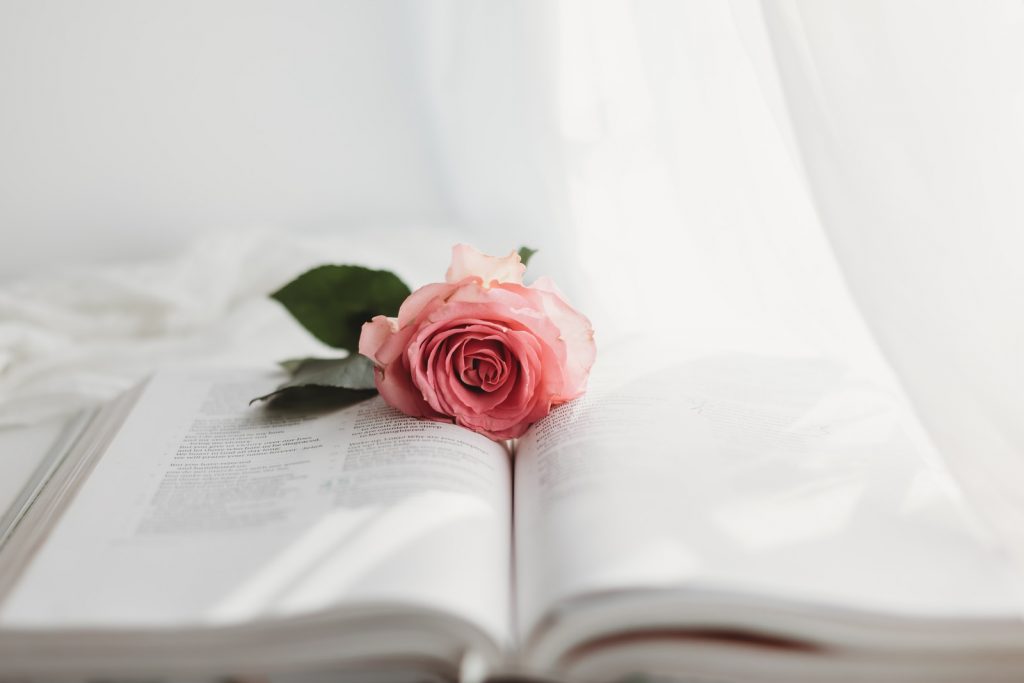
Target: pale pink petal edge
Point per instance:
(469, 262)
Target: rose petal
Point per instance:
(422, 300)
(575, 331)
(374, 334)
(467, 262)
(395, 382)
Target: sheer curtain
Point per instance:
(823, 169)
(909, 118)
(633, 143)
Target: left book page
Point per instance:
(207, 511)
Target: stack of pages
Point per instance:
(711, 515)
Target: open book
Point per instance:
(715, 516)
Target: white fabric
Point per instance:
(70, 340)
(909, 118)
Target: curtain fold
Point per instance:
(909, 120)
(631, 142)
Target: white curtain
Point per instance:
(634, 144)
(822, 168)
(909, 118)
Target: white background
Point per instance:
(127, 128)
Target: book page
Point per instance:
(786, 476)
(206, 511)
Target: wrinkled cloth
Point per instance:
(74, 339)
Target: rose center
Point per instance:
(482, 365)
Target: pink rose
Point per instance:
(481, 349)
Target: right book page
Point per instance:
(777, 475)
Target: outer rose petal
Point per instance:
(393, 379)
(422, 299)
(374, 334)
(468, 262)
(575, 329)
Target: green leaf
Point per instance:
(525, 254)
(349, 377)
(333, 302)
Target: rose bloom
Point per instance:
(481, 349)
